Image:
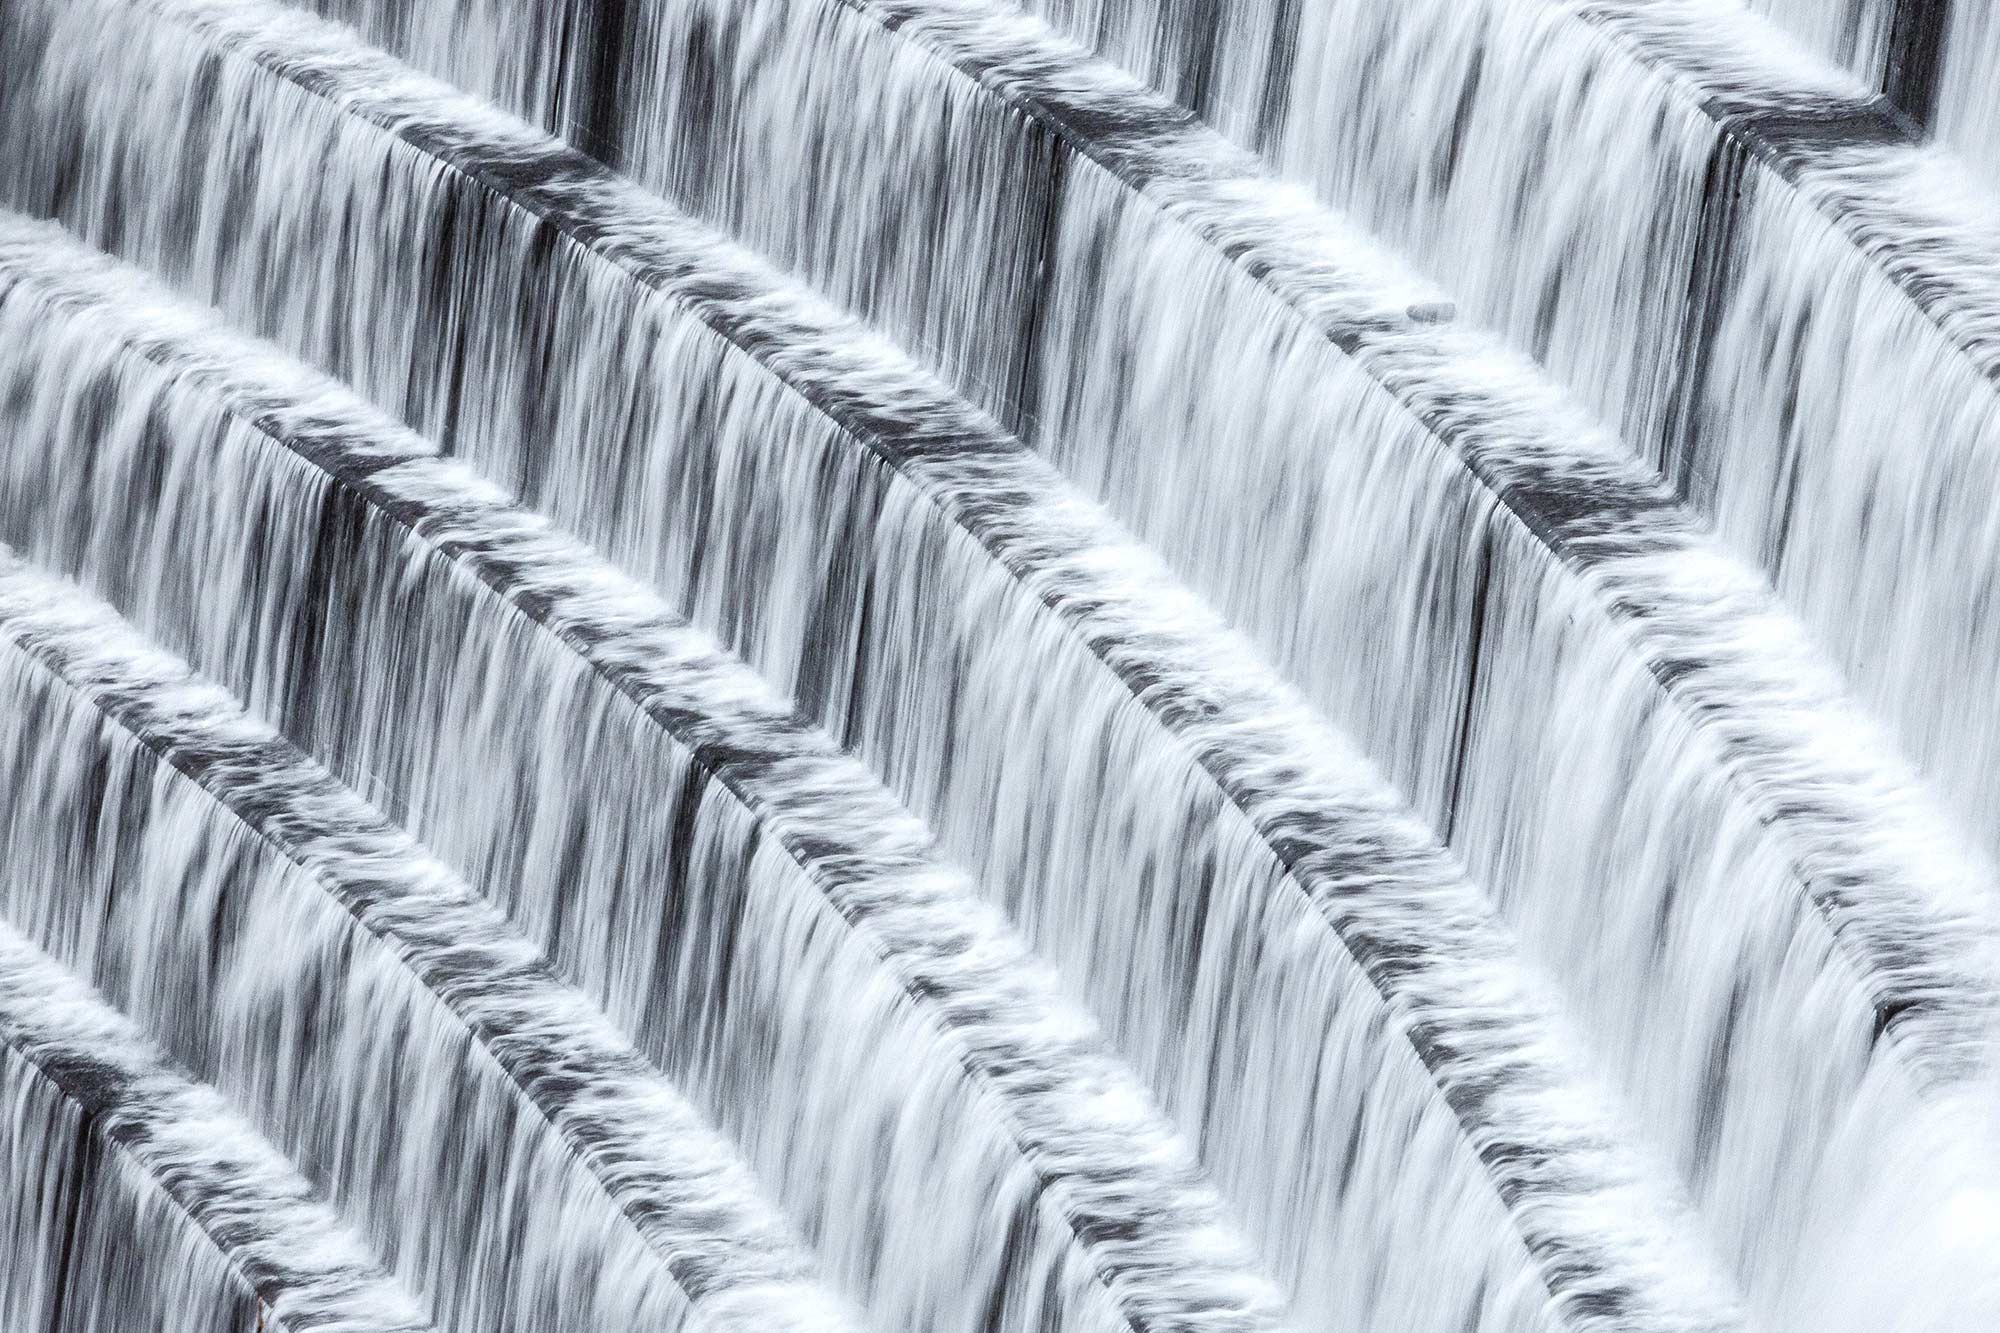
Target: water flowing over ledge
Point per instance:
(1416, 859)
(322, 864)
(686, 742)
(1753, 207)
(161, 1204)
(1640, 564)
(1317, 818)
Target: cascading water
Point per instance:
(850, 663)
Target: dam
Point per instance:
(1134, 666)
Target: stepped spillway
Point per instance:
(938, 664)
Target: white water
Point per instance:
(1968, 117)
(412, 1018)
(1939, 59)
(782, 855)
(145, 1199)
(1640, 927)
(1591, 1202)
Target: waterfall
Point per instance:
(785, 854)
(1001, 664)
(181, 777)
(1534, 1108)
(151, 1199)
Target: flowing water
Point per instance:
(923, 664)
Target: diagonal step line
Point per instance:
(671, 1176)
(260, 1217)
(1140, 1211)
